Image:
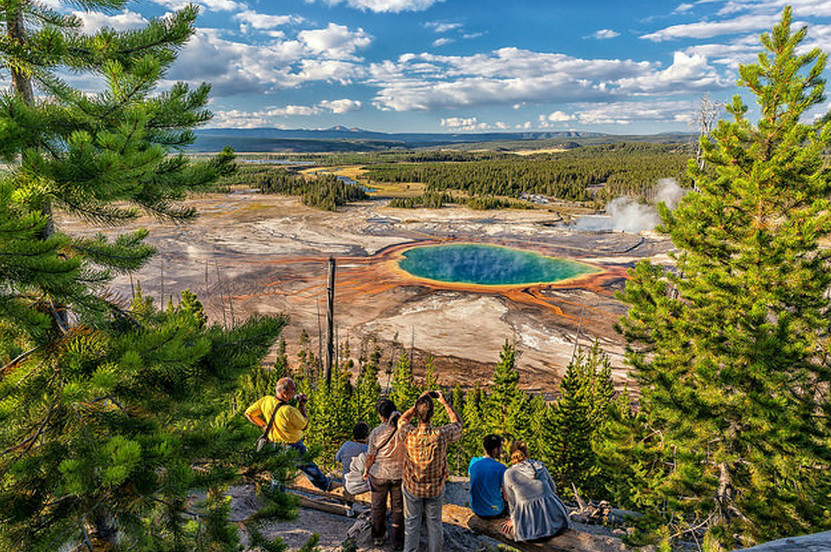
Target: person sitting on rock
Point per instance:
(288, 426)
(486, 473)
(348, 452)
(536, 510)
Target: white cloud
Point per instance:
(240, 68)
(604, 34)
(344, 105)
(210, 5)
(687, 73)
(335, 41)
(460, 124)
(221, 5)
(442, 26)
(556, 117)
(802, 8)
(709, 29)
(754, 16)
(624, 113)
(745, 49)
(260, 21)
(510, 76)
(236, 118)
(443, 41)
(385, 6)
(293, 110)
(94, 21)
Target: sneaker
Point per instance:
(378, 541)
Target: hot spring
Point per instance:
(488, 265)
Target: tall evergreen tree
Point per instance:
(456, 458)
(475, 426)
(331, 416)
(573, 424)
(404, 390)
(731, 351)
(87, 454)
(106, 413)
(507, 410)
(367, 388)
(105, 157)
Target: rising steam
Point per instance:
(626, 214)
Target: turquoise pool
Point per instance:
(488, 265)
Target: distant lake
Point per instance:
(273, 162)
(488, 265)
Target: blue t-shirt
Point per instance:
(486, 486)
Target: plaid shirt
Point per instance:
(425, 461)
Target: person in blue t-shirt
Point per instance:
(486, 498)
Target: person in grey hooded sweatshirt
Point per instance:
(536, 510)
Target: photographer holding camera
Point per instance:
(286, 425)
(425, 468)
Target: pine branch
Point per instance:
(19, 358)
(29, 442)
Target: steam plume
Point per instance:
(626, 214)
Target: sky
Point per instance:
(617, 66)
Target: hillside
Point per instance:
(339, 138)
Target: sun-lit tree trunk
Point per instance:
(21, 82)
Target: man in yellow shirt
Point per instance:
(289, 424)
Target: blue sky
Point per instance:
(620, 66)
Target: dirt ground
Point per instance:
(265, 254)
(334, 529)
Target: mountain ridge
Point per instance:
(341, 138)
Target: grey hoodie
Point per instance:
(536, 510)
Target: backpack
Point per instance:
(353, 480)
(263, 439)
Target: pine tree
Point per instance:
(731, 350)
(571, 422)
(507, 410)
(456, 459)
(404, 390)
(109, 418)
(309, 365)
(475, 426)
(431, 383)
(331, 417)
(189, 303)
(367, 389)
(105, 157)
(82, 430)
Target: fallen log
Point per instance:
(332, 495)
(322, 505)
(567, 541)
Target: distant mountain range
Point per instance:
(340, 138)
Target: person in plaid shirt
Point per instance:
(425, 468)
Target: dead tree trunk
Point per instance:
(330, 322)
